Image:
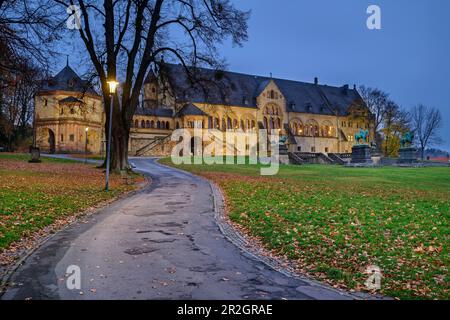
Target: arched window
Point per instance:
(279, 123)
(158, 125)
(147, 124)
(136, 123)
(327, 129)
(152, 124)
(235, 124)
(142, 124)
(312, 128)
(272, 94)
(297, 127)
(266, 123)
(242, 125)
(177, 126)
(229, 124)
(210, 122)
(167, 125)
(216, 123)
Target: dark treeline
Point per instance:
(393, 121)
(26, 30)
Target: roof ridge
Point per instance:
(258, 76)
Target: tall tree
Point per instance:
(17, 105)
(396, 122)
(425, 122)
(127, 38)
(377, 101)
(27, 30)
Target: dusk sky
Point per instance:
(298, 39)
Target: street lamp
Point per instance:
(86, 145)
(112, 90)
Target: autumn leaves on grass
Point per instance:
(36, 198)
(334, 222)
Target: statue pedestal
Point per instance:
(361, 154)
(407, 155)
(283, 154)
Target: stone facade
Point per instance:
(63, 126)
(318, 127)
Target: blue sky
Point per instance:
(302, 39)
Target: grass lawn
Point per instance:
(333, 222)
(36, 195)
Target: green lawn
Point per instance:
(333, 221)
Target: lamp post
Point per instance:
(112, 90)
(86, 145)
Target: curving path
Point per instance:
(161, 243)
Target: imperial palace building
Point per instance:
(319, 120)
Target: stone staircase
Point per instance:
(153, 144)
(338, 158)
(295, 159)
(311, 157)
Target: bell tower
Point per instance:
(151, 91)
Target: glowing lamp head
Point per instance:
(87, 129)
(112, 86)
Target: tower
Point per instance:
(68, 115)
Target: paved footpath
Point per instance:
(161, 243)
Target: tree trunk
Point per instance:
(119, 159)
(120, 134)
(119, 149)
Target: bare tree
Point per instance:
(127, 38)
(425, 122)
(378, 103)
(16, 104)
(27, 30)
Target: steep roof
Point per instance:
(157, 112)
(237, 89)
(70, 100)
(190, 110)
(68, 80)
